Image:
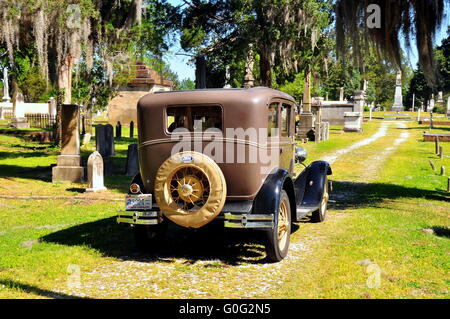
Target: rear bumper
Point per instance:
(233, 215)
(150, 217)
(254, 221)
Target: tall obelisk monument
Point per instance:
(398, 99)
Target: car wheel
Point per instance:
(320, 214)
(149, 237)
(277, 239)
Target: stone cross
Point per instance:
(132, 160)
(95, 173)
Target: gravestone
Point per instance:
(448, 107)
(95, 173)
(440, 97)
(6, 97)
(104, 141)
(19, 121)
(69, 167)
(109, 140)
(131, 129)
(398, 98)
(352, 122)
(100, 144)
(341, 94)
(52, 106)
(118, 130)
(87, 138)
(132, 160)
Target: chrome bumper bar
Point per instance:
(248, 221)
(138, 217)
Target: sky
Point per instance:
(179, 63)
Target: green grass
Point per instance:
(382, 206)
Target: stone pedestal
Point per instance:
(352, 122)
(69, 167)
(306, 126)
(20, 122)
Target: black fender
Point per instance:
(309, 185)
(267, 201)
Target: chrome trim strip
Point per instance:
(137, 222)
(249, 217)
(249, 220)
(208, 139)
(249, 225)
(132, 213)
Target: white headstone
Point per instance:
(440, 97)
(52, 106)
(448, 106)
(19, 106)
(87, 138)
(341, 94)
(6, 97)
(95, 173)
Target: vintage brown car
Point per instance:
(226, 155)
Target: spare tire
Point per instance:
(190, 189)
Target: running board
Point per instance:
(302, 211)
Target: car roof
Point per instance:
(228, 92)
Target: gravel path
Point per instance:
(181, 276)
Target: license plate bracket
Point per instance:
(138, 202)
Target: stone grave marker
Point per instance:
(87, 138)
(100, 142)
(118, 130)
(132, 127)
(69, 167)
(132, 160)
(95, 173)
(109, 140)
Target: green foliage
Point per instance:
(186, 84)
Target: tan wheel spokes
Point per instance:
(283, 225)
(189, 188)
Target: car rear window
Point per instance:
(199, 118)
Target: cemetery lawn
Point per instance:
(390, 211)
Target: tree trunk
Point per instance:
(265, 67)
(65, 79)
(65, 86)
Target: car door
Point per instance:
(287, 130)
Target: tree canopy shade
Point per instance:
(419, 19)
(65, 34)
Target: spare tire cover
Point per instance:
(190, 189)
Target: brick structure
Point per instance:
(123, 107)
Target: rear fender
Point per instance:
(309, 185)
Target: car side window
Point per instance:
(272, 124)
(286, 119)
